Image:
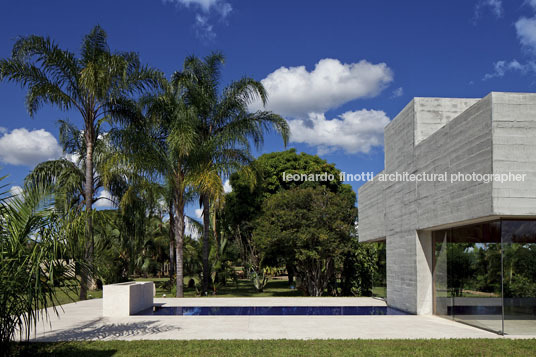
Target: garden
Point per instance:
(151, 146)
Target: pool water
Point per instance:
(272, 310)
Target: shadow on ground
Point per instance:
(100, 329)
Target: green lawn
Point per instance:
(68, 296)
(244, 288)
(466, 347)
(380, 291)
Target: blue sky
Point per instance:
(338, 71)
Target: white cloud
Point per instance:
(495, 6)
(74, 158)
(15, 190)
(353, 131)
(296, 92)
(526, 28)
(398, 92)
(199, 212)
(203, 28)
(526, 32)
(205, 10)
(3, 130)
(192, 230)
(500, 68)
(23, 147)
(227, 186)
(206, 6)
(106, 200)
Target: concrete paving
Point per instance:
(84, 321)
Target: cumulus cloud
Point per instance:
(353, 131)
(500, 68)
(106, 200)
(205, 12)
(191, 229)
(15, 190)
(297, 92)
(24, 147)
(74, 158)
(199, 212)
(526, 28)
(526, 32)
(227, 186)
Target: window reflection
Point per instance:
(485, 271)
(519, 277)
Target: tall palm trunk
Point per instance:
(88, 193)
(206, 239)
(171, 240)
(179, 235)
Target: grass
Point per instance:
(68, 296)
(243, 288)
(461, 347)
(380, 291)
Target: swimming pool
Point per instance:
(271, 310)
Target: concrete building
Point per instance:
(470, 145)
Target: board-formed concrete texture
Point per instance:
(125, 299)
(492, 135)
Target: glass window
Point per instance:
(471, 257)
(519, 278)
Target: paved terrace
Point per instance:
(84, 321)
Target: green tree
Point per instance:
(159, 138)
(360, 269)
(92, 84)
(31, 252)
(224, 128)
(461, 258)
(244, 204)
(316, 228)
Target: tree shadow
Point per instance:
(99, 329)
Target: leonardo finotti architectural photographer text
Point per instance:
(407, 177)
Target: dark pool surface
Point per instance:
(272, 310)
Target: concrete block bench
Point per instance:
(125, 299)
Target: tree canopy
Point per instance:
(311, 227)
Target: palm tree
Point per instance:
(66, 178)
(224, 128)
(92, 84)
(159, 136)
(31, 250)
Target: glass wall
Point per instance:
(519, 276)
(484, 275)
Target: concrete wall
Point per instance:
(514, 150)
(463, 145)
(443, 135)
(434, 113)
(125, 299)
(372, 218)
